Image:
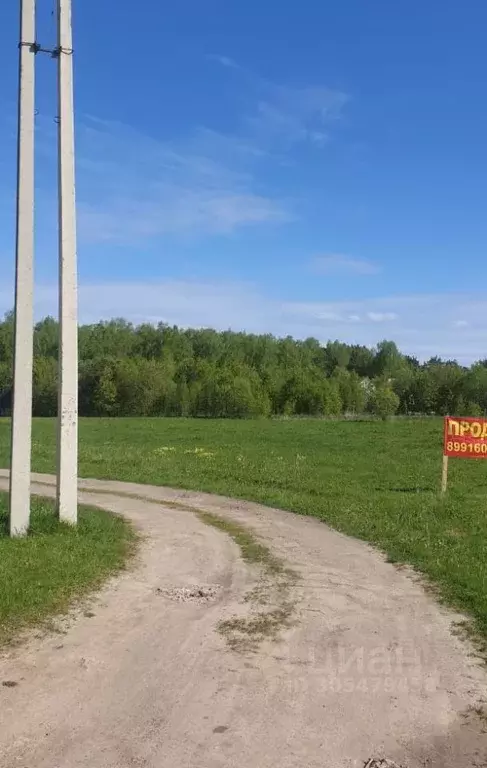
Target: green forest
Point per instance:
(147, 370)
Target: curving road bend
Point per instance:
(368, 668)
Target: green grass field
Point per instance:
(377, 481)
(42, 574)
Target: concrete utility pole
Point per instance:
(67, 469)
(24, 281)
(67, 479)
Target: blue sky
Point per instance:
(314, 169)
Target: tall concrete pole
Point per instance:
(67, 479)
(24, 278)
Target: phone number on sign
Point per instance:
(454, 446)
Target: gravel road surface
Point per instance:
(364, 665)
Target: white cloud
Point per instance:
(338, 264)
(127, 221)
(381, 317)
(326, 315)
(460, 324)
(132, 187)
(425, 327)
(292, 115)
(285, 115)
(225, 61)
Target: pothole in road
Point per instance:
(195, 593)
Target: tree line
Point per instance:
(162, 370)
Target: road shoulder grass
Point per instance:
(45, 573)
(271, 601)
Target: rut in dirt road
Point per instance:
(360, 664)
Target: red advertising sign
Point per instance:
(465, 438)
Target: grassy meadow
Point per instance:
(378, 481)
(41, 574)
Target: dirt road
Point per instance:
(364, 665)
